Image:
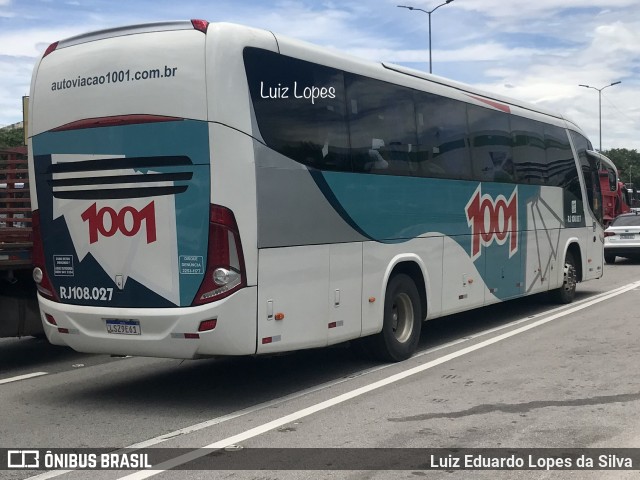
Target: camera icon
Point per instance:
(23, 459)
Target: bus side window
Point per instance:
(490, 137)
(590, 174)
(443, 150)
(528, 148)
(381, 125)
(313, 133)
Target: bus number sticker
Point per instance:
(492, 220)
(86, 293)
(127, 221)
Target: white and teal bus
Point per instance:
(211, 189)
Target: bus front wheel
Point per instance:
(402, 321)
(567, 292)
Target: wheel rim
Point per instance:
(402, 317)
(569, 277)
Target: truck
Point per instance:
(615, 195)
(633, 195)
(19, 312)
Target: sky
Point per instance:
(538, 51)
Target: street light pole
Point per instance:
(600, 105)
(428, 12)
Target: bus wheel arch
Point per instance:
(575, 251)
(405, 306)
(571, 273)
(415, 272)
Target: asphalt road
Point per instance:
(522, 374)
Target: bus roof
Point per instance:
(336, 58)
(339, 59)
(470, 89)
(126, 30)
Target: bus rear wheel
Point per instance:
(567, 292)
(402, 321)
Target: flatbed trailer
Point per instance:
(19, 313)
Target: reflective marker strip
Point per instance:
(275, 338)
(22, 377)
(70, 331)
(188, 336)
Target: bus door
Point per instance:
(595, 230)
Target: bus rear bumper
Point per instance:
(163, 332)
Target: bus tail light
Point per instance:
(225, 273)
(207, 325)
(50, 49)
(200, 25)
(40, 275)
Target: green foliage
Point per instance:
(12, 137)
(628, 164)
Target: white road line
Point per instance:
(305, 412)
(22, 377)
(278, 401)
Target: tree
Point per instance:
(628, 164)
(11, 137)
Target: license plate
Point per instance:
(123, 327)
(627, 236)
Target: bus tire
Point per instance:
(610, 258)
(567, 292)
(402, 321)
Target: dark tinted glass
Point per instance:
(299, 108)
(626, 221)
(590, 174)
(443, 137)
(528, 150)
(562, 166)
(382, 126)
(331, 120)
(608, 174)
(613, 181)
(490, 137)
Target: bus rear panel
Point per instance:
(128, 238)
